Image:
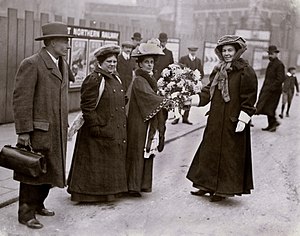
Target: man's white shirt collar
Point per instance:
(126, 56)
(192, 57)
(53, 58)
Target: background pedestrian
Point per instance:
(288, 90)
(271, 90)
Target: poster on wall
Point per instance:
(84, 43)
(210, 58)
(93, 47)
(174, 45)
(78, 61)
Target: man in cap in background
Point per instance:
(40, 104)
(271, 90)
(194, 63)
(126, 64)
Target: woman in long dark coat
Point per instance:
(144, 108)
(222, 164)
(98, 171)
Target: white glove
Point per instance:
(240, 126)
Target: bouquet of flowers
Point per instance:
(179, 83)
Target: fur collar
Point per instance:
(150, 79)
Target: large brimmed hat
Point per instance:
(231, 40)
(147, 49)
(273, 48)
(107, 49)
(137, 36)
(54, 30)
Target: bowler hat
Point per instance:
(54, 30)
(106, 49)
(193, 48)
(163, 37)
(273, 48)
(127, 44)
(137, 36)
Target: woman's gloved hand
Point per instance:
(95, 131)
(240, 126)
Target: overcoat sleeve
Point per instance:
(149, 103)
(279, 76)
(23, 96)
(248, 90)
(89, 96)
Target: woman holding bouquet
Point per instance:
(222, 164)
(144, 118)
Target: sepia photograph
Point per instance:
(150, 118)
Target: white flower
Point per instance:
(197, 74)
(161, 82)
(166, 72)
(198, 87)
(170, 85)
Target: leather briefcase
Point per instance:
(23, 161)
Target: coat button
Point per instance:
(122, 90)
(114, 90)
(123, 108)
(117, 109)
(124, 125)
(124, 141)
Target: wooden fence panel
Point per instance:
(37, 33)
(11, 61)
(20, 44)
(29, 33)
(3, 67)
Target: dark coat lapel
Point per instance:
(50, 63)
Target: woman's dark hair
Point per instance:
(235, 45)
(102, 58)
(141, 58)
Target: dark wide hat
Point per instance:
(193, 48)
(163, 37)
(273, 48)
(137, 36)
(54, 30)
(107, 49)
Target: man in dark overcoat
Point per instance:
(271, 90)
(40, 104)
(194, 63)
(126, 64)
(164, 60)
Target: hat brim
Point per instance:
(277, 51)
(135, 38)
(54, 36)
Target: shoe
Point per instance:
(187, 122)
(45, 212)
(134, 194)
(272, 129)
(33, 223)
(281, 116)
(287, 115)
(276, 124)
(216, 198)
(201, 193)
(266, 129)
(175, 122)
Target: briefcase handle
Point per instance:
(27, 148)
